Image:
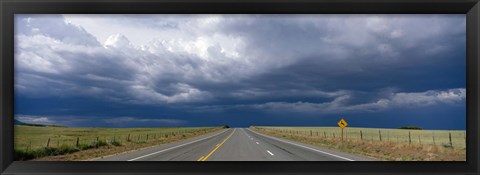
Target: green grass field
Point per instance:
(37, 137)
(33, 142)
(434, 137)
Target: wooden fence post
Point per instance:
(450, 138)
(96, 144)
(361, 135)
(48, 143)
(128, 137)
(433, 136)
(78, 140)
(380, 135)
(324, 134)
(409, 138)
(419, 140)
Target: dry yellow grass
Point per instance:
(433, 137)
(110, 149)
(29, 138)
(384, 150)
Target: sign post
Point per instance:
(342, 124)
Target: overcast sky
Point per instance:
(241, 70)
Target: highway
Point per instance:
(234, 144)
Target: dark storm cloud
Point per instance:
(256, 63)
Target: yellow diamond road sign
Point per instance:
(342, 123)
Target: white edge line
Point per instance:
(176, 146)
(302, 146)
(270, 152)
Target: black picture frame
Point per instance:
(10, 7)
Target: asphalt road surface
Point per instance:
(234, 144)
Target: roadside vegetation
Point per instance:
(383, 144)
(62, 143)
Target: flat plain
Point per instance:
(433, 137)
(56, 142)
(382, 144)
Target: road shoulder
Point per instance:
(329, 152)
(128, 155)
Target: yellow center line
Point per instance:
(204, 158)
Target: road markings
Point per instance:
(257, 143)
(270, 152)
(200, 158)
(330, 154)
(175, 147)
(216, 147)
